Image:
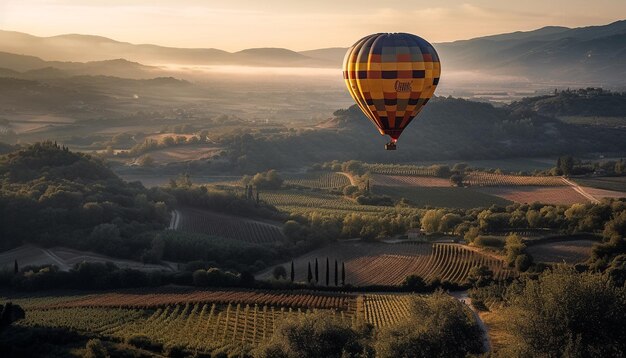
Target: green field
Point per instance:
(606, 183)
(451, 197)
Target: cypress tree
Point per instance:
(293, 274)
(309, 275)
(317, 277)
(336, 274)
(343, 273)
(16, 268)
(327, 272)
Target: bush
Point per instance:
(95, 349)
(319, 334)
(279, 272)
(523, 262)
(143, 342)
(483, 241)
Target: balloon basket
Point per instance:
(390, 146)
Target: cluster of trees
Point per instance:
(264, 180)
(82, 276)
(561, 313)
(471, 223)
(435, 326)
(51, 196)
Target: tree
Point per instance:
(566, 165)
(317, 276)
(336, 274)
(279, 272)
(292, 274)
(414, 283)
(523, 262)
(471, 234)
(479, 276)
(513, 247)
(309, 276)
(431, 220)
(456, 179)
(448, 222)
(16, 268)
(565, 313)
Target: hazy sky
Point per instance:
(296, 24)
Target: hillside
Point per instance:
(448, 128)
(51, 196)
(72, 48)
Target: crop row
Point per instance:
(446, 262)
(399, 169)
(320, 180)
(492, 179)
(150, 299)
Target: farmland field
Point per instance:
(606, 183)
(200, 320)
(390, 264)
(409, 180)
(571, 252)
(451, 197)
(492, 179)
(304, 200)
(565, 195)
(319, 180)
(603, 193)
(230, 227)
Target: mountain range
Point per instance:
(585, 54)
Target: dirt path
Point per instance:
(463, 297)
(60, 262)
(580, 190)
(175, 220)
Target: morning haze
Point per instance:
(209, 179)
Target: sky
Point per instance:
(234, 25)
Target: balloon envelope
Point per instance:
(391, 78)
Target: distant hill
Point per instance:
(72, 48)
(593, 54)
(586, 54)
(36, 68)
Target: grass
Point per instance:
(451, 197)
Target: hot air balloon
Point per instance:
(391, 78)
